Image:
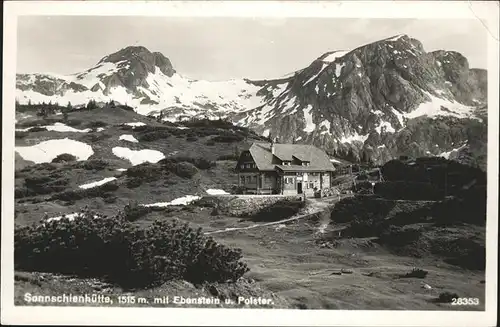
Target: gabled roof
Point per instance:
(319, 160)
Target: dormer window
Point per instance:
(305, 163)
(286, 163)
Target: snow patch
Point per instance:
(212, 191)
(128, 137)
(98, 183)
(137, 157)
(185, 200)
(353, 138)
(395, 38)
(333, 56)
(266, 133)
(327, 125)
(433, 108)
(387, 125)
(338, 69)
(334, 160)
(135, 124)
(452, 153)
(310, 126)
(46, 151)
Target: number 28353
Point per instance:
(465, 301)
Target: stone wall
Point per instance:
(245, 205)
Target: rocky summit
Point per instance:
(373, 103)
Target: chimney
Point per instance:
(273, 148)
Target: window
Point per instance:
(242, 178)
(305, 164)
(288, 180)
(242, 166)
(249, 179)
(266, 178)
(311, 185)
(255, 179)
(286, 163)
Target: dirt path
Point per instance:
(313, 206)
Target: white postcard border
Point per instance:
(484, 10)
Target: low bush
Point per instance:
(446, 297)
(405, 190)
(65, 157)
(74, 122)
(38, 129)
(279, 210)
(133, 211)
(155, 135)
(199, 162)
(415, 273)
(227, 138)
(95, 137)
(112, 248)
(101, 191)
(96, 124)
(361, 208)
(21, 134)
(232, 157)
(40, 185)
(186, 170)
(93, 164)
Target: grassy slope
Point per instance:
(162, 190)
(287, 260)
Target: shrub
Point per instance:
(232, 157)
(94, 137)
(132, 211)
(93, 164)
(361, 208)
(279, 210)
(74, 122)
(21, 134)
(101, 191)
(153, 136)
(227, 138)
(111, 247)
(38, 129)
(406, 190)
(39, 185)
(65, 157)
(134, 182)
(199, 162)
(415, 272)
(186, 170)
(96, 124)
(446, 297)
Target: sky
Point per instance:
(224, 48)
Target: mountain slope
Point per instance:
(372, 103)
(368, 101)
(142, 79)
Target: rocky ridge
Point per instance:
(373, 103)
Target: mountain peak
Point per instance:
(140, 55)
